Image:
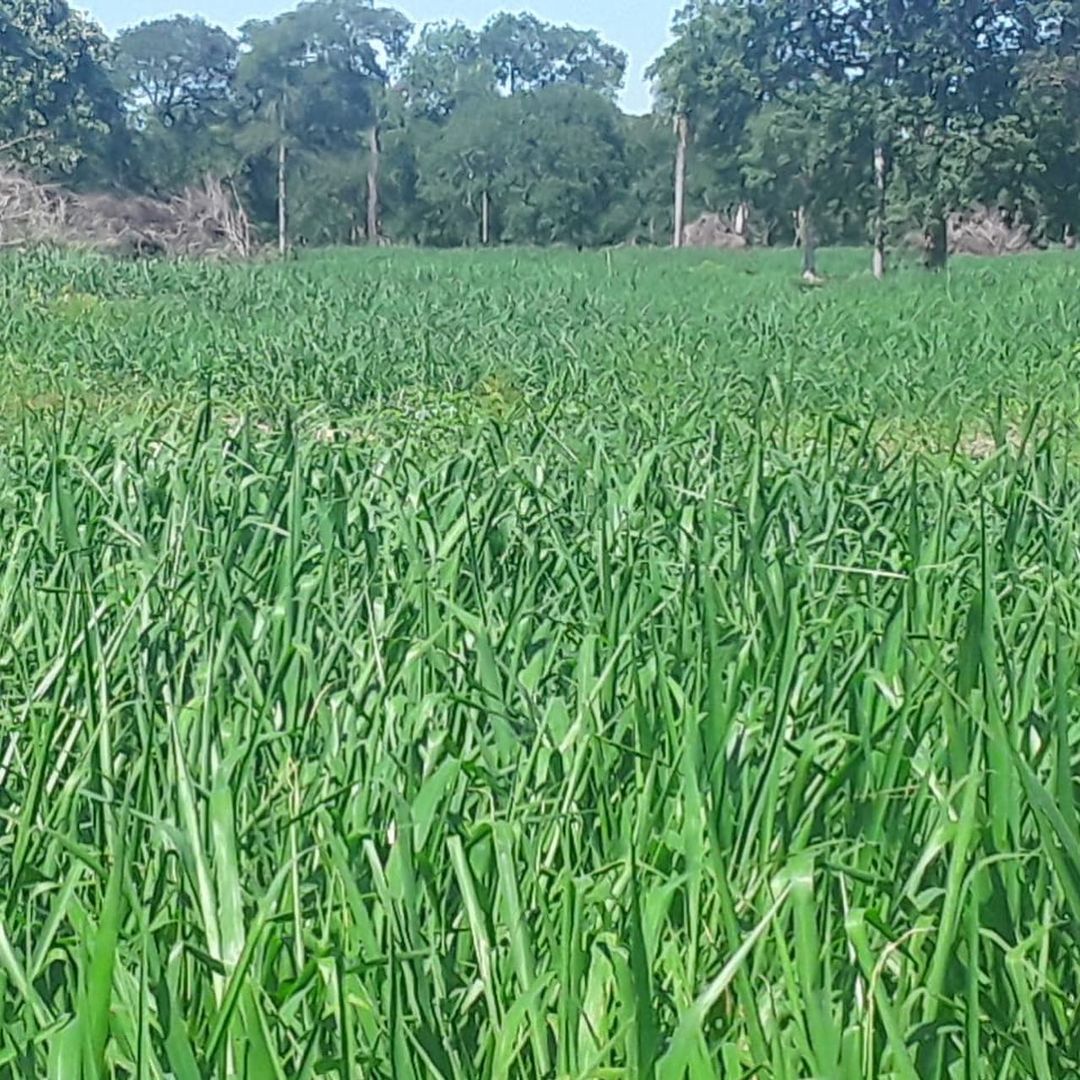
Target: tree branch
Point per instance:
(12, 143)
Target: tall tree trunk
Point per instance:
(485, 218)
(806, 240)
(282, 212)
(880, 183)
(742, 219)
(682, 131)
(937, 242)
(374, 151)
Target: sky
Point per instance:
(638, 26)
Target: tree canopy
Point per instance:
(56, 96)
(866, 118)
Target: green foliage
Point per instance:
(792, 154)
(314, 73)
(1049, 112)
(457, 163)
(56, 100)
(947, 87)
(312, 80)
(789, 104)
(444, 69)
(566, 167)
(553, 165)
(528, 54)
(787, 101)
(536, 665)
(644, 212)
(176, 70)
(711, 73)
(176, 77)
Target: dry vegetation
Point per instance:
(209, 222)
(979, 230)
(988, 231)
(203, 222)
(715, 230)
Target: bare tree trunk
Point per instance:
(682, 130)
(880, 183)
(374, 150)
(806, 241)
(937, 242)
(742, 219)
(485, 218)
(282, 212)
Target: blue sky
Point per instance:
(638, 26)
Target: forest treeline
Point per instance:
(340, 122)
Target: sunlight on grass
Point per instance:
(538, 665)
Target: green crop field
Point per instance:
(539, 665)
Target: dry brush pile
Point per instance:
(202, 222)
(716, 230)
(983, 230)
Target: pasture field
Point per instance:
(539, 665)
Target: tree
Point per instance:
(843, 118)
(269, 80)
(56, 98)
(928, 92)
(1049, 109)
(176, 69)
(528, 54)
(709, 81)
(565, 167)
(463, 173)
(790, 152)
(1050, 27)
(539, 168)
(939, 75)
(644, 210)
(176, 76)
(314, 82)
(445, 68)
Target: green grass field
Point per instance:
(539, 665)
